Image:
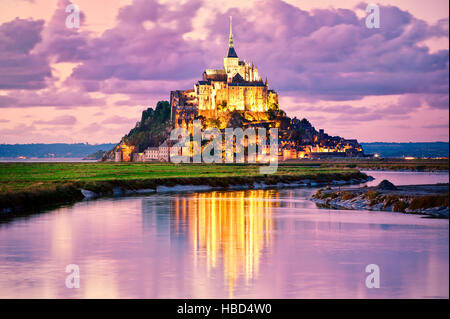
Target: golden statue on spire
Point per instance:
(230, 42)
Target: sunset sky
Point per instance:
(91, 84)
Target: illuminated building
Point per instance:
(123, 152)
(237, 86)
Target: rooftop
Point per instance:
(231, 53)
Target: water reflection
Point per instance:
(244, 244)
(232, 226)
(407, 178)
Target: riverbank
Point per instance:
(432, 200)
(378, 164)
(31, 186)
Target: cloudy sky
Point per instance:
(91, 84)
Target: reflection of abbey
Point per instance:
(237, 86)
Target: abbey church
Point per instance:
(234, 96)
(237, 86)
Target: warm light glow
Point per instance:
(232, 228)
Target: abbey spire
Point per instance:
(236, 86)
(231, 51)
(230, 41)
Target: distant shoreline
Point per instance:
(367, 164)
(47, 160)
(388, 150)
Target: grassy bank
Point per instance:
(38, 184)
(426, 165)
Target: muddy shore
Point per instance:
(431, 200)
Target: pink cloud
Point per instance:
(119, 120)
(59, 120)
(53, 97)
(20, 68)
(318, 56)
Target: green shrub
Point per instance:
(334, 195)
(400, 206)
(390, 200)
(372, 202)
(347, 196)
(372, 194)
(429, 201)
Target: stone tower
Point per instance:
(231, 61)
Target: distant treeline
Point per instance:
(51, 150)
(433, 149)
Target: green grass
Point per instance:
(40, 184)
(382, 164)
(20, 176)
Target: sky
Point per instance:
(91, 84)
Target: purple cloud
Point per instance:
(20, 68)
(52, 97)
(129, 51)
(119, 120)
(59, 120)
(62, 43)
(325, 54)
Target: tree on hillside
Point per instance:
(236, 119)
(153, 128)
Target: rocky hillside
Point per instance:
(155, 126)
(153, 129)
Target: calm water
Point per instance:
(407, 178)
(239, 244)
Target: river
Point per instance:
(225, 244)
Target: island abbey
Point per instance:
(232, 97)
(237, 86)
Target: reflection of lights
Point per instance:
(235, 226)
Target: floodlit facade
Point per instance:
(238, 86)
